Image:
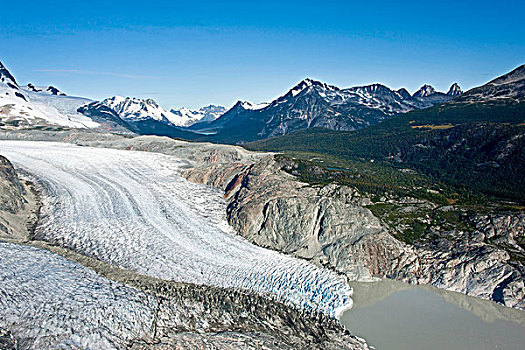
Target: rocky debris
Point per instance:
(213, 341)
(54, 302)
(228, 341)
(7, 341)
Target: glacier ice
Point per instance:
(133, 210)
(50, 302)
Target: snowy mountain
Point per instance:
(309, 104)
(454, 90)
(144, 117)
(204, 114)
(135, 109)
(28, 106)
(253, 106)
(313, 103)
(424, 91)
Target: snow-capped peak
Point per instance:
(454, 90)
(7, 78)
(213, 109)
(251, 106)
(136, 109)
(204, 114)
(425, 90)
(297, 89)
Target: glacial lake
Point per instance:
(396, 316)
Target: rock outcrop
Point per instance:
(17, 203)
(332, 226)
(11, 190)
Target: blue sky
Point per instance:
(196, 53)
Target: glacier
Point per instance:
(51, 303)
(133, 210)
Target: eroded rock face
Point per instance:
(17, 210)
(11, 190)
(328, 225)
(331, 226)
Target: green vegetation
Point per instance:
(410, 203)
(426, 172)
(483, 154)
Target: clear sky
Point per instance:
(192, 53)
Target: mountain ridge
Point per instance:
(204, 114)
(22, 107)
(475, 140)
(312, 103)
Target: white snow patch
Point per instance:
(37, 108)
(253, 106)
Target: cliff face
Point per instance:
(329, 225)
(17, 203)
(332, 226)
(11, 190)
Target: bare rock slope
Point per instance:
(332, 226)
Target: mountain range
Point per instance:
(312, 104)
(475, 141)
(309, 104)
(204, 114)
(33, 106)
